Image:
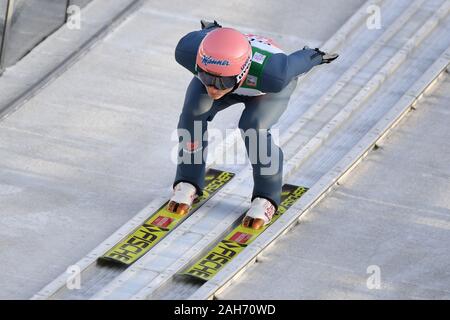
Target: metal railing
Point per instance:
(25, 23)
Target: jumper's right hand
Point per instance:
(178, 208)
(207, 24)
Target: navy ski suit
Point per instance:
(265, 94)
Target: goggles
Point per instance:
(218, 82)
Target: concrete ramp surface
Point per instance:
(86, 140)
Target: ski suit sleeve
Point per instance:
(187, 47)
(280, 69)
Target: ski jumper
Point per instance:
(265, 93)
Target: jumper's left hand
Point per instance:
(327, 57)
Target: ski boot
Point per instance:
(184, 195)
(326, 57)
(259, 214)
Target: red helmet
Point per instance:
(225, 52)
